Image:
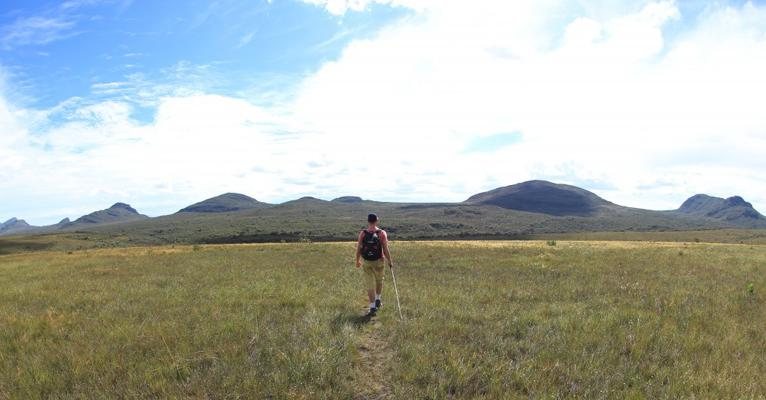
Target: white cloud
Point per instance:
(53, 23)
(596, 102)
(340, 7)
(102, 154)
(603, 98)
(13, 133)
(34, 30)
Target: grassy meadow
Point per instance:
(482, 320)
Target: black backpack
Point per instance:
(371, 248)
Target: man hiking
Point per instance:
(371, 253)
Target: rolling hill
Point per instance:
(734, 209)
(226, 202)
(543, 197)
(119, 212)
(516, 211)
(347, 199)
(14, 225)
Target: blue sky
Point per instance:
(164, 103)
(57, 50)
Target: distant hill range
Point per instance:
(13, 225)
(565, 200)
(118, 213)
(514, 211)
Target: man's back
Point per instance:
(371, 254)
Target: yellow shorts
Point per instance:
(373, 273)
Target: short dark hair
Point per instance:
(372, 218)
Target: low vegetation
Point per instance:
(78, 241)
(482, 320)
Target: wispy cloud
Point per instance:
(340, 7)
(74, 4)
(35, 30)
(50, 24)
(245, 39)
(491, 143)
(344, 34)
(150, 89)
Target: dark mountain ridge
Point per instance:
(305, 201)
(348, 199)
(513, 211)
(543, 197)
(732, 209)
(226, 202)
(14, 225)
(119, 212)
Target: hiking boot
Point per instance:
(372, 312)
(378, 303)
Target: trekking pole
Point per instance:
(396, 290)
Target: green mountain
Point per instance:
(515, 211)
(119, 212)
(348, 199)
(14, 225)
(733, 209)
(543, 197)
(226, 202)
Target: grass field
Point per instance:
(482, 320)
(79, 241)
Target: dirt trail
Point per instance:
(373, 363)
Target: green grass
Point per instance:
(483, 320)
(738, 236)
